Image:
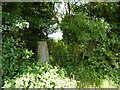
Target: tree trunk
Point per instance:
(68, 8)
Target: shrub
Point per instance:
(41, 75)
(92, 42)
(15, 55)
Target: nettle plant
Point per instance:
(15, 55)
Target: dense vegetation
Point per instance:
(87, 56)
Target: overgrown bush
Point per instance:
(89, 42)
(58, 52)
(84, 71)
(15, 55)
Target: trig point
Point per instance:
(42, 52)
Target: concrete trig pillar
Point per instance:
(42, 52)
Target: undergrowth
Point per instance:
(41, 75)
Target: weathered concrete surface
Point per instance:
(42, 52)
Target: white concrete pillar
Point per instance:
(42, 52)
